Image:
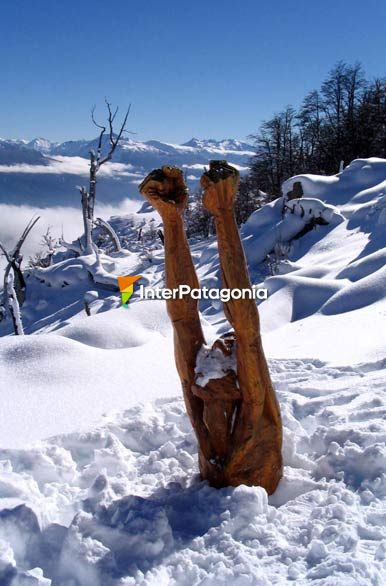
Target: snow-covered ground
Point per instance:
(113, 497)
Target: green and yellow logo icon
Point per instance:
(126, 286)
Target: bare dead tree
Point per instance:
(51, 244)
(97, 159)
(106, 227)
(14, 285)
(43, 258)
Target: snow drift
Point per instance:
(113, 498)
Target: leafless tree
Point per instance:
(43, 258)
(50, 243)
(14, 283)
(97, 159)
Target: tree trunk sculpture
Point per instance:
(236, 418)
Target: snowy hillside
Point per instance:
(43, 173)
(113, 498)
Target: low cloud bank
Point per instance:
(71, 165)
(68, 220)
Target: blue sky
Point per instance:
(197, 68)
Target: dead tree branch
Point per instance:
(97, 159)
(14, 286)
(110, 232)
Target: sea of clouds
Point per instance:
(61, 220)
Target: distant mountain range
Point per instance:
(41, 172)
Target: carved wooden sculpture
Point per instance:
(236, 418)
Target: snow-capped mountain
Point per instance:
(14, 152)
(42, 145)
(41, 172)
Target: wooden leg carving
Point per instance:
(236, 418)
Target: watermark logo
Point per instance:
(126, 286)
(212, 293)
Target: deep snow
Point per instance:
(115, 499)
(123, 500)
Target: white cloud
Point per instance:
(14, 219)
(72, 165)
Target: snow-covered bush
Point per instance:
(279, 223)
